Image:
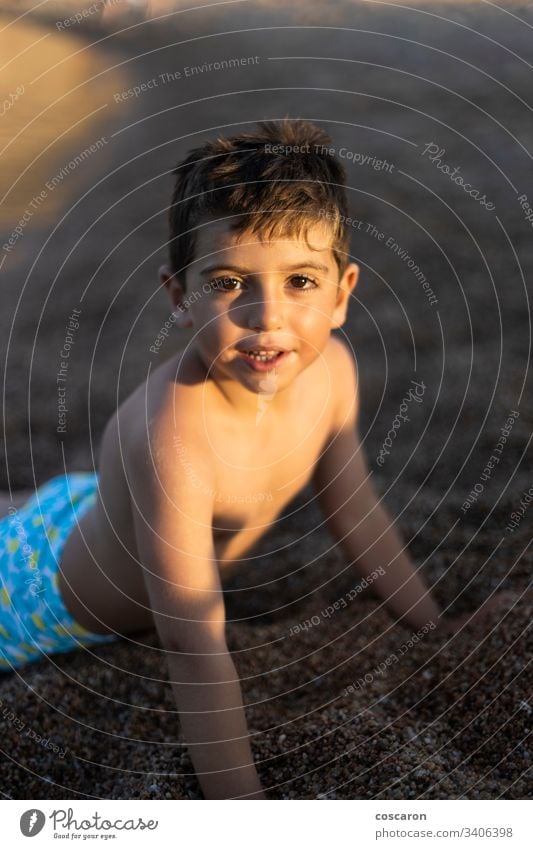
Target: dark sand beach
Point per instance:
(337, 708)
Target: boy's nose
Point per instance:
(266, 315)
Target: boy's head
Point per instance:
(244, 209)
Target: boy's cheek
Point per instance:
(315, 330)
(205, 319)
(215, 341)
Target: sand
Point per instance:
(332, 713)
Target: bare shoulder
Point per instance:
(346, 383)
(167, 404)
(163, 416)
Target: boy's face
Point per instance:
(245, 294)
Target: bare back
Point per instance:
(259, 470)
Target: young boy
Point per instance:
(202, 458)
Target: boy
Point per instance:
(202, 458)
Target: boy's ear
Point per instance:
(345, 287)
(177, 296)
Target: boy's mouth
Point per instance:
(262, 360)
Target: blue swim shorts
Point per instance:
(33, 618)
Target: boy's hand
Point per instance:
(212, 719)
(493, 608)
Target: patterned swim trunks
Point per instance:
(33, 618)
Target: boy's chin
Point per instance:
(265, 386)
(265, 383)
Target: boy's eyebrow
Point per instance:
(305, 264)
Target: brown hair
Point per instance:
(271, 193)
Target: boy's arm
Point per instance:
(360, 524)
(173, 527)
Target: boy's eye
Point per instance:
(226, 284)
(305, 279)
(222, 282)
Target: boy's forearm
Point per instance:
(209, 700)
(376, 542)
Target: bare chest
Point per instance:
(258, 474)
